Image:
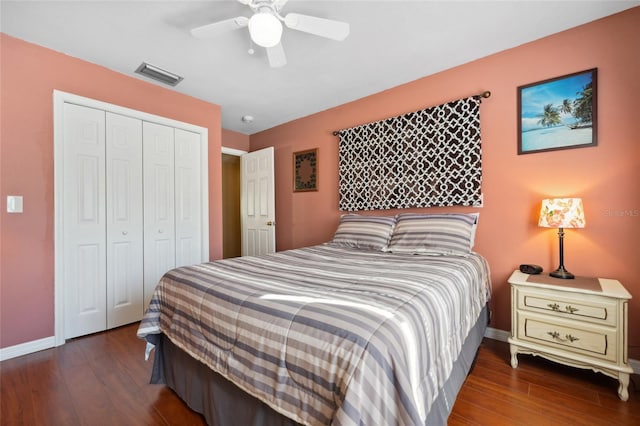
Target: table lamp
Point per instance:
(562, 213)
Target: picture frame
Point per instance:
(305, 170)
(558, 113)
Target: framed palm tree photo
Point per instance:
(559, 113)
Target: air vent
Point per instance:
(158, 74)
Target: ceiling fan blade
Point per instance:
(220, 27)
(279, 4)
(276, 56)
(328, 28)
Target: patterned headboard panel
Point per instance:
(431, 157)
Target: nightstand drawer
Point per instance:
(592, 309)
(595, 342)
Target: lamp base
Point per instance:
(562, 273)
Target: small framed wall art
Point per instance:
(559, 113)
(305, 170)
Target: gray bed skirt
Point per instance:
(224, 404)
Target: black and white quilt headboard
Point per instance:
(431, 157)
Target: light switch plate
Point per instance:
(14, 203)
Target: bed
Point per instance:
(375, 327)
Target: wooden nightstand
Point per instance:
(581, 323)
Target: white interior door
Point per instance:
(257, 203)
(187, 198)
(159, 204)
(84, 245)
(124, 220)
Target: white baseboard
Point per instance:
(27, 348)
(502, 336)
(495, 334)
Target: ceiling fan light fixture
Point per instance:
(265, 29)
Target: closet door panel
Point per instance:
(84, 246)
(159, 204)
(124, 220)
(188, 198)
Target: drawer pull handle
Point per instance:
(571, 338)
(554, 306)
(555, 335)
(570, 309)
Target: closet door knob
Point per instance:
(124, 232)
(160, 231)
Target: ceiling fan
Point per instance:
(265, 27)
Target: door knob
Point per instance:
(271, 223)
(124, 232)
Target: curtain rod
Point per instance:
(485, 94)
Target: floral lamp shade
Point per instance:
(562, 213)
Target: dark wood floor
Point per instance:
(102, 379)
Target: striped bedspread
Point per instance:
(326, 334)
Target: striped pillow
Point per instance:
(434, 234)
(369, 232)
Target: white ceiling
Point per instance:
(391, 43)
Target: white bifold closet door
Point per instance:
(159, 202)
(188, 208)
(102, 220)
(131, 203)
(124, 220)
(173, 210)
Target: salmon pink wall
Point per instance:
(29, 75)
(607, 177)
(235, 140)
